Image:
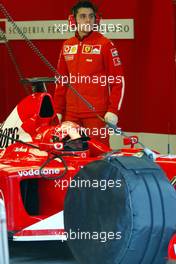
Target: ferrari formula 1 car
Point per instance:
(58, 184)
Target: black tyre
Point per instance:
(130, 222)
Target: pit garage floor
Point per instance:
(43, 253)
(40, 252)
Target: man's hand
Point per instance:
(59, 116)
(111, 118)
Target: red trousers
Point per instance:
(94, 127)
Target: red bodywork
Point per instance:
(34, 205)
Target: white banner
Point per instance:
(59, 29)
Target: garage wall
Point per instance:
(149, 103)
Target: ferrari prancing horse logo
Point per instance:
(87, 49)
(91, 49)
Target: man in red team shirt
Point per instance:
(90, 62)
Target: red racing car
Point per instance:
(42, 163)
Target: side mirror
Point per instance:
(133, 140)
(51, 147)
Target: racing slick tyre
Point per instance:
(120, 210)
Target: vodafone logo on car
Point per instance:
(35, 172)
